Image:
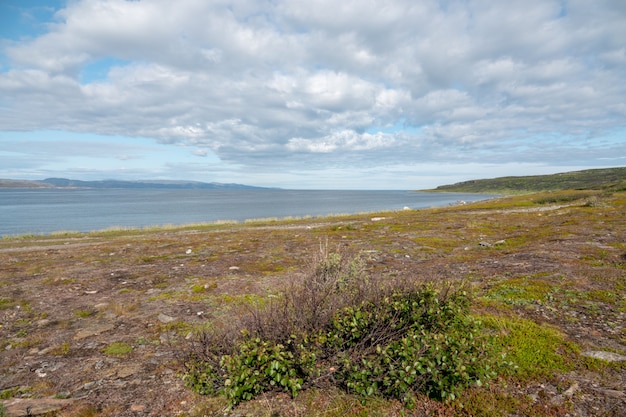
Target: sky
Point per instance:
(316, 94)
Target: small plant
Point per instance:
(61, 350)
(9, 393)
(6, 303)
(84, 313)
(118, 349)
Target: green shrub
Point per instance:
(339, 326)
(438, 350)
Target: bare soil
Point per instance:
(64, 300)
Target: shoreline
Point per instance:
(209, 223)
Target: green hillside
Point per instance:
(591, 179)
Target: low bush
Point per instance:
(339, 326)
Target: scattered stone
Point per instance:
(613, 393)
(128, 370)
(18, 407)
(91, 292)
(89, 385)
(137, 408)
(166, 337)
(377, 219)
(605, 356)
(571, 390)
(188, 251)
(101, 306)
(499, 242)
(164, 318)
(43, 322)
(234, 268)
(93, 331)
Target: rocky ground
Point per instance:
(93, 324)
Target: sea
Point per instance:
(47, 211)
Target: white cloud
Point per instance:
(367, 83)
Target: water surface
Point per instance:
(42, 211)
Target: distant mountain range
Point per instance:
(68, 183)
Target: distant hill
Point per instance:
(6, 183)
(68, 183)
(590, 179)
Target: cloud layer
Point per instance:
(282, 85)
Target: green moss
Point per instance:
(520, 291)
(118, 349)
(534, 351)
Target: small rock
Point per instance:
(137, 408)
(613, 393)
(89, 385)
(377, 219)
(93, 331)
(34, 406)
(164, 318)
(166, 337)
(234, 268)
(128, 370)
(101, 306)
(605, 356)
(188, 251)
(571, 390)
(43, 322)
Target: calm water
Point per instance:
(44, 211)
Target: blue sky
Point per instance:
(363, 94)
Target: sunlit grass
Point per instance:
(118, 349)
(533, 351)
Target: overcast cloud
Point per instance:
(315, 94)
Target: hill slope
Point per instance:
(591, 179)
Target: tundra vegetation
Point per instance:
(512, 306)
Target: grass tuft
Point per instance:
(118, 349)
